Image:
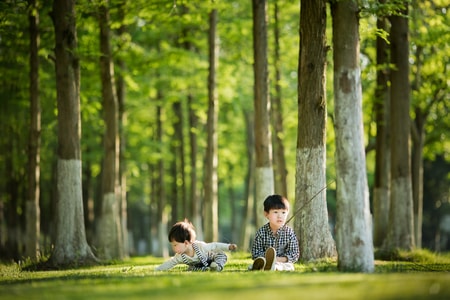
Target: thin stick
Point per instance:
(309, 200)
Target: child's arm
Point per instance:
(293, 250)
(232, 247)
(169, 264)
(258, 246)
(216, 246)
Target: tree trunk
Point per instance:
(311, 224)
(280, 169)
(382, 154)
(162, 217)
(264, 178)
(194, 197)
(32, 249)
(109, 238)
(417, 174)
(248, 228)
(70, 239)
(353, 227)
(179, 196)
(174, 191)
(88, 200)
(401, 219)
(211, 215)
(122, 137)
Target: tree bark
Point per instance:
(417, 173)
(211, 214)
(70, 239)
(401, 218)
(109, 230)
(311, 224)
(264, 178)
(162, 216)
(194, 196)
(353, 226)
(247, 220)
(121, 100)
(280, 169)
(382, 154)
(32, 249)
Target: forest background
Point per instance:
(160, 50)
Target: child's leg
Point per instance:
(198, 267)
(279, 266)
(220, 259)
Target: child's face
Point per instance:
(277, 217)
(180, 248)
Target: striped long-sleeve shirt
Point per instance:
(203, 254)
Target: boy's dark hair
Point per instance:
(182, 231)
(275, 202)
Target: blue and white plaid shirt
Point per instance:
(284, 241)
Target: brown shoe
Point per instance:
(258, 264)
(271, 256)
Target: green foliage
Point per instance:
(166, 57)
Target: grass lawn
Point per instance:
(136, 279)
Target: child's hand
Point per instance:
(232, 247)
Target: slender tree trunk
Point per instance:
(162, 217)
(122, 137)
(88, 201)
(417, 174)
(353, 227)
(178, 199)
(382, 154)
(264, 177)
(194, 197)
(248, 217)
(280, 169)
(401, 218)
(211, 215)
(32, 249)
(70, 240)
(174, 192)
(311, 224)
(109, 238)
(181, 156)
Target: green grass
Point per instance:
(417, 275)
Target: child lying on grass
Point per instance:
(198, 255)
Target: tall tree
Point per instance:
(353, 229)
(177, 164)
(32, 248)
(311, 224)
(160, 191)
(109, 239)
(121, 100)
(249, 195)
(194, 195)
(70, 239)
(264, 179)
(211, 215)
(279, 159)
(401, 218)
(382, 154)
(429, 89)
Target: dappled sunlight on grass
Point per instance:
(136, 278)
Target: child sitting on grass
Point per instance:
(198, 255)
(275, 246)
